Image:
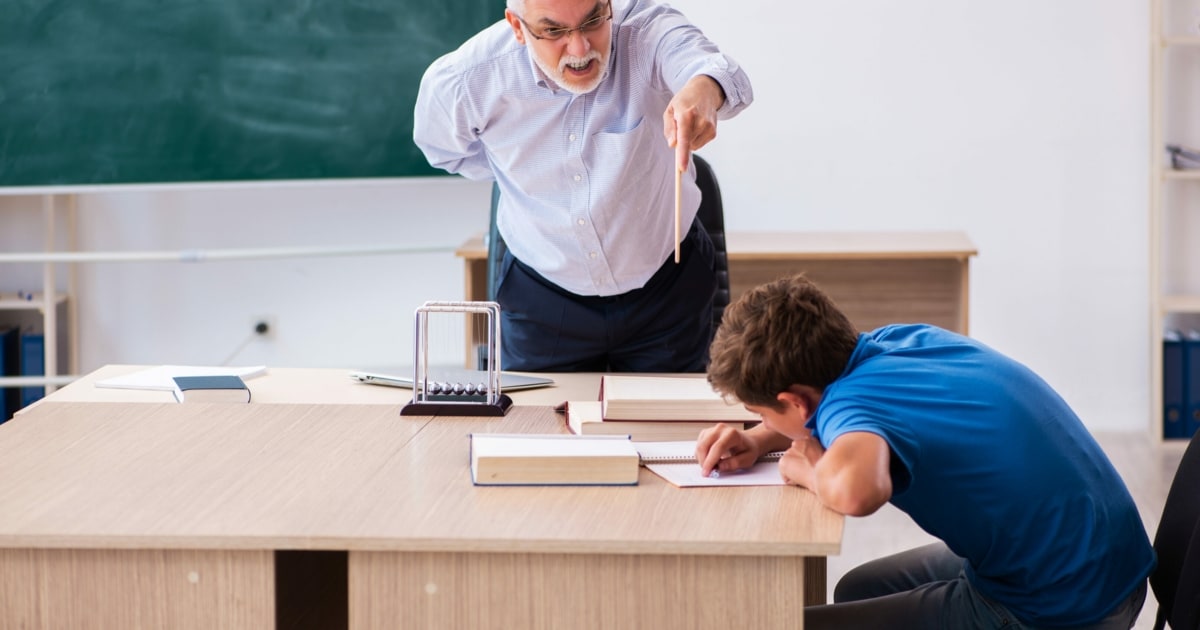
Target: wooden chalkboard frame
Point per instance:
(99, 93)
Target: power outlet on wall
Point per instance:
(264, 326)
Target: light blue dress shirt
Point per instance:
(587, 181)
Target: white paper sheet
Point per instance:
(160, 378)
(687, 475)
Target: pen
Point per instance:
(716, 471)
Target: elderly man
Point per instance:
(582, 111)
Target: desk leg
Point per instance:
(132, 589)
(310, 590)
(815, 572)
(552, 591)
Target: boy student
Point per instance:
(1037, 528)
(583, 112)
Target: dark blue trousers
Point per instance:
(665, 326)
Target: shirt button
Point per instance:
(581, 222)
(592, 255)
(571, 137)
(578, 177)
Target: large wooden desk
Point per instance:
(276, 514)
(877, 278)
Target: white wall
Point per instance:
(1023, 123)
(346, 311)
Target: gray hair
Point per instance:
(516, 6)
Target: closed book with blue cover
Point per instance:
(10, 397)
(1173, 385)
(1191, 376)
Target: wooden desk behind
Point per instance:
(120, 514)
(876, 278)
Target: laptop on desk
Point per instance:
(509, 382)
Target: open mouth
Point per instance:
(579, 68)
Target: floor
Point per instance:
(1146, 465)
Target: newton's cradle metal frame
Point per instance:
(432, 398)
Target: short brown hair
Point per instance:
(779, 334)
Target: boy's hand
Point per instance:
(798, 465)
(724, 448)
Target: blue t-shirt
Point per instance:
(988, 458)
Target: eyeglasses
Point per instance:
(555, 33)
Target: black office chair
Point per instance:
(711, 214)
(1176, 579)
(496, 247)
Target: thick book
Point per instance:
(667, 398)
(212, 388)
(499, 459)
(584, 418)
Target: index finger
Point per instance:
(711, 447)
(683, 149)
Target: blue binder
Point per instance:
(1191, 379)
(10, 397)
(33, 363)
(1174, 404)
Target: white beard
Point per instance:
(558, 75)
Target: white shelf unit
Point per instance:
(48, 300)
(1174, 194)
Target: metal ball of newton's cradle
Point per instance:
(457, 399)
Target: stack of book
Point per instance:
(654, 408)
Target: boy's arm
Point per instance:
(852, 477)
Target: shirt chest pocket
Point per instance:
(625, 159)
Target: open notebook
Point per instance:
(509, 382)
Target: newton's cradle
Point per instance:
(456, 399)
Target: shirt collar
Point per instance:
(540, 77)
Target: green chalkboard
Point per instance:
(153, 91)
